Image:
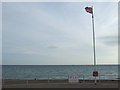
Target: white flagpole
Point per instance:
(94, 44)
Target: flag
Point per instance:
(89, 10)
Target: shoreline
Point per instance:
(55, 80)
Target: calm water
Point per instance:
(57, 71)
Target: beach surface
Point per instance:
(59, 84)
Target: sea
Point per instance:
(31, 72)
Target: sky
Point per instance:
(58, 33)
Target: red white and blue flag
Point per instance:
(89, 10)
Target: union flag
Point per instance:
(89, 9)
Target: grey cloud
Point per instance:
(110, 40)
(52, 47)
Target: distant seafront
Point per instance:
(30, 72)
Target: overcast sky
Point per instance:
(58, 33)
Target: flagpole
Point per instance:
(94, 43)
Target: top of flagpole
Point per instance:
(92, 12)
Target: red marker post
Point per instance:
(95, 74)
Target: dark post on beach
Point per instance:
(90, 10)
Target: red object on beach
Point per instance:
(95, 73)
